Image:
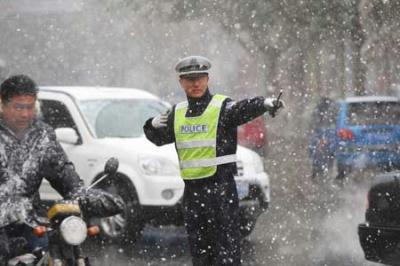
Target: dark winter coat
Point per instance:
(36, 155)
(25, 162)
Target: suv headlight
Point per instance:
(74, 231)
(154, 165)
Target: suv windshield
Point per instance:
(374, 113)
(119, 118)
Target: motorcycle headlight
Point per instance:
(153, 165)
(74, 231)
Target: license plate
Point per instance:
(242, 189)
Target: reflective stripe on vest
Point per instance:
(195, 143)
(209, 162)
(196, 139)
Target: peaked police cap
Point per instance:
(193, 66)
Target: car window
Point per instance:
(369, 113)
(119, 118)
(56, 114)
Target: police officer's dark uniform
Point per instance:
(210, 203)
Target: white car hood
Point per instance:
(140, 146)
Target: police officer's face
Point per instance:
(194, 87)
(19, 112)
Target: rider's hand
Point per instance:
(99, 203)
(160, 121)
(273, 105)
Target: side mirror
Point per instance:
(67, 135)
(110, 169)
(111, 166)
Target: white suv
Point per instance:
(94, 124)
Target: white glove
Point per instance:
(160, 121)
(273, 105)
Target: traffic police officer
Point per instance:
(204, 130)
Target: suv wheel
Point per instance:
(125, 228)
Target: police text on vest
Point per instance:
(187, 129)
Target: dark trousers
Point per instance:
(211, 214)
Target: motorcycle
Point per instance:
(66, 230)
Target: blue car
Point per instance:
(355, 133)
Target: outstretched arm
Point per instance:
(240, 112)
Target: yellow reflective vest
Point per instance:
(196, 140)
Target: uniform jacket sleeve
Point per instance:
(238, 113)
(161, 136)
(59, 171)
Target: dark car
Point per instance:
(380, 234)
(356, 133)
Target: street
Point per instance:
(307, 224)
(103, 68)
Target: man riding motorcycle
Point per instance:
(30, 152)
